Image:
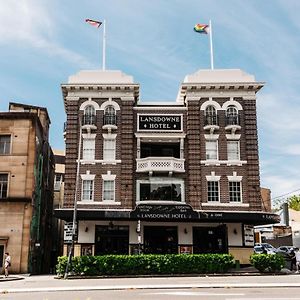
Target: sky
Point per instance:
(43, 42)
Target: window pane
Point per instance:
(109, 150)
(235, 191)
(108, 190)
(3, 185)
(160, 192)
(87, 190)
(233, 150)
(211, 150)
(4, 144)
(88, 149)
(213, 191)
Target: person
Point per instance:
(7, 263)
(297, 256)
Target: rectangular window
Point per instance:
(87, 190)
(211, 150)
(160, 192)
(213, 191)
(4, 144)
(3, 185)
(108, 190)
(109, 149)
(235, 192)
(88, 152)
(233, 150)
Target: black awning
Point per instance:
(169, 213)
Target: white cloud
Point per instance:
(27, 23)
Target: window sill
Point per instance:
(223, 162)
(230, 204)
(159, 202)
(92, 202)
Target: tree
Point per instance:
(294, 202)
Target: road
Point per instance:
(283, 287)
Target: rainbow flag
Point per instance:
(201, 28)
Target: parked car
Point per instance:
(287, 249)
(264, 248)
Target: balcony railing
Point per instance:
(160, 164)
(232, 120)
(110, 119)
(89, 120)
(211, 120)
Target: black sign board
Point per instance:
(160, 122)
(164, 212)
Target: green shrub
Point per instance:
(267, 262)
(146, 264)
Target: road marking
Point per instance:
(182, 293)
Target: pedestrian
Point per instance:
(7, 263)
(297, 256)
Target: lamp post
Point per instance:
(75, 204)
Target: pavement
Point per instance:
(245, 278)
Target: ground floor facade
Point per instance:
(164, 230)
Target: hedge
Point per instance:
(108, 265)
(267, 262)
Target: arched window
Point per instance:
(232, 116)
(89, 117)
(211, 115)
(110, 117)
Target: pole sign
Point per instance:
(166, 122)
(68, 231)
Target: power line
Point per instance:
(285, 194)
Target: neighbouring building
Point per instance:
(266, 199)
(163, 177)
(26, 188)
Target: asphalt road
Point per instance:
(165, 294)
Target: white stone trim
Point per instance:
(87, 176)
(213, 177)
(108, 176)
(159, 108)
(89, 136)
(211, 137)
(109, 202)
(234, 177)
(230, 204)
(232, 102)
(109, 136)
(214, 103)
(110, 102)
(159, 135)
(223, 162)
(100, 161)
(89, 102)
(233, 136)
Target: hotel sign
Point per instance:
(150, 122)
(164, 212)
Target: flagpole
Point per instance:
(104, 46)
(211, 46)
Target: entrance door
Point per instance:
(210, 239)
(160, 239)
(111, 240)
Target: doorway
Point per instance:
(160, 240)
(1, 255)
(111, 240)
(210, 239)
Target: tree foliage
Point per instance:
(294, 202)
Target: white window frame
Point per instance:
(163, 181)
(218, 191)
(88, 149)
(84, 178)
(7, 186)
(237, 151)
(241, 192)
(207, 150)
(109, 154)
(111, 178)
(5, 144)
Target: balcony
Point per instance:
(160, 164)
(110, 121)
(89, 122)
(232, 123)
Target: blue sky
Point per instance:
(43, 42)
